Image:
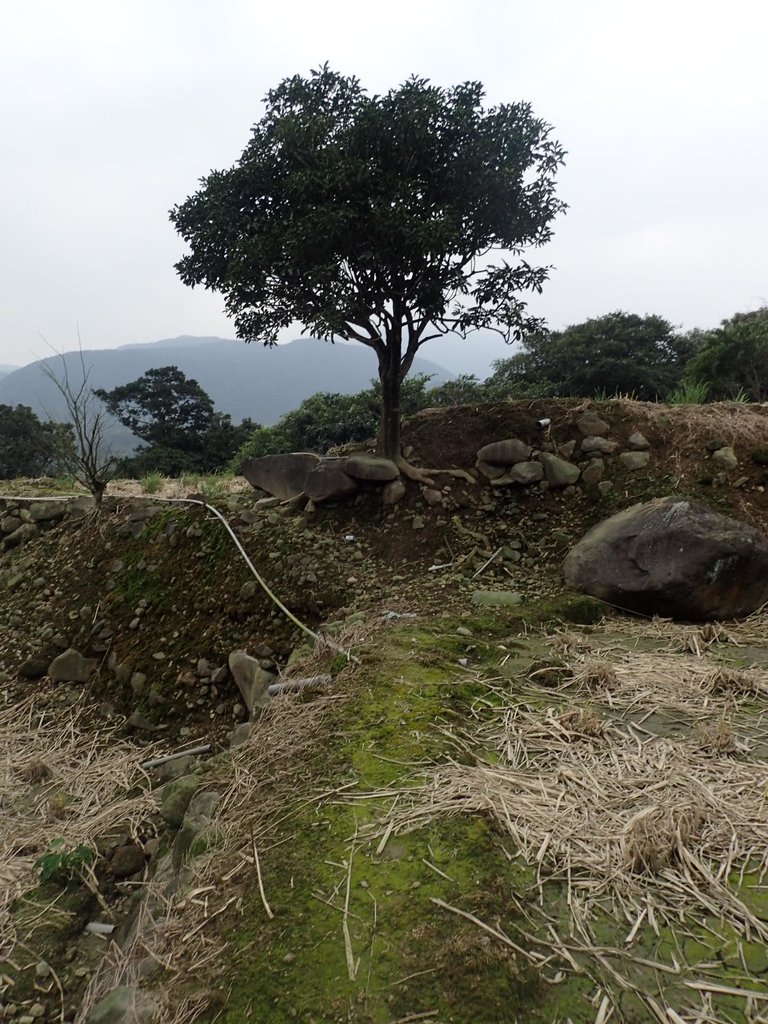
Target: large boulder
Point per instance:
(371, 467)
(280, 475)
(504, 453)
(675, 558)
(328, 481)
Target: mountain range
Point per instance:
(242, 380)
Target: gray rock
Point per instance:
(20, 536)
(48, 512)
(590, 425)
(605, 487)
(141, 723)
(252, 680)
(638, 442)
(558, 472)
(124, 1005)
(565, 451)
(370, 467)
(432, 496)
(264, 503)
(248, 590)
(241, 734)
(526, 473)
(327, 481)
(504, 453)
(725, 458)
(593, 473)
(177, 796)
(280, 475)
(598, 444)
(418, 523)
(9, 524)
(393, 492)
(71, 667)
(489, 471)
(675, 558)
(196, 821)
(634, 460)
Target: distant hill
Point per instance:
(5, 369)
(242, 380)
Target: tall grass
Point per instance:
(151, 482)
(689, 392)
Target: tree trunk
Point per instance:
(389, 428)
(390, 376)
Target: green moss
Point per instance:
(411, 955)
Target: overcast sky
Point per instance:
(113, 109)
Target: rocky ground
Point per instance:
(294, 869)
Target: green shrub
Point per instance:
(60, 864)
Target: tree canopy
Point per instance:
(374, 219)
(619, 352)
(29, 446)
(734, 357)
(177, 421)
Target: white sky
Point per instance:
(111, 110)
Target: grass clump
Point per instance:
(151, 482)
(690, 392)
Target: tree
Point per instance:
(734, 357)
(84, 450)
(28, 445)
(163, 407)
(176, 419)
(619, 352)
(371, 218)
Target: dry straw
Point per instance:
(631, 786)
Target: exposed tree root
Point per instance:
(424, 476)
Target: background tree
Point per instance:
(29, 446)
(619, 352)
(734, 357)
(370, 218)
(176, 419)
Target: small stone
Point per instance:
(558, 472)
(126, 861)
(159, 656)
(593, 473)
(637, 442)
(725, 458)
(605, 487)
(418, 523)
(463, 631)
(71, 667)
(633, 461)
(248, 590)
(393, 492)
(590, 425)
(43, 970)
(432, 496)
(598, 444)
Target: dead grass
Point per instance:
(634, 826)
